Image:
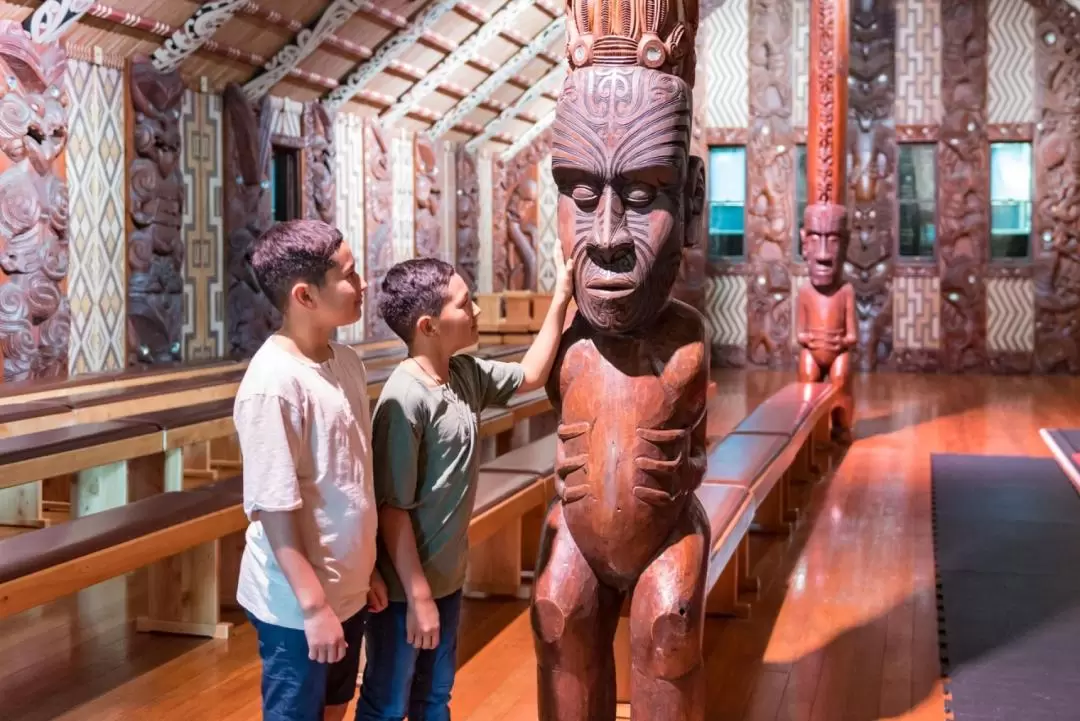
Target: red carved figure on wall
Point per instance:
(826, 321)
(34, 313)
(156, 199)
(629, 382)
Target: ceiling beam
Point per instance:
(305, 43)
(553, 77)
(497, 79)
(446, 67)
(528, 136)
(200, 27)
(52, 19)
(389, 51)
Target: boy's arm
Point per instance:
(541, 354)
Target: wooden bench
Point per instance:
(1064, 445)
(512, 316)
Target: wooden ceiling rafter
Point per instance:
(528, 136)
(483, 17)
(514, 110)
(193, 34)
(52, 18)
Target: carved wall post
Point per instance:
(467, 212)
(427, 192)
(379, 224)
(872, 185)
(155, 249)
(826, 145)
(516, 214)
(320, 189)
(770, 182)
(963, 171)
(34, 314)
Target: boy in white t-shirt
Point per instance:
(307, 578)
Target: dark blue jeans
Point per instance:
(400, 679)
(295, 688)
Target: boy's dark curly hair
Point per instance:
(411, 289)
(290, 251)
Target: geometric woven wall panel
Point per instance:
(918, 62)
(201, 166)
(349, 177)
(800, 30)
(725, 26)
(549, 234)
(916, 313)
(486, 182)
(1012, 62)
(1011, 315)
(725, 309)
(404, 203)
(95, 181)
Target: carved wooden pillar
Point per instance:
(770, 181)
(872, 184)
(1057, 189)
(467, 213)
(34, 313)
(320, 190)
(826, 158)
(155, 248)
(427, 192)
(963, 171)
(379, 225)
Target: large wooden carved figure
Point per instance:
(34, 314)
(629, 382)
(155, 246)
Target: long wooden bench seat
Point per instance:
(1064, 445)
(176, 532)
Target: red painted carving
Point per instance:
(156, 206)
(1057, 190)
(34, 313)
(770, 182)
(468, 220)
(428, 194)
(250, 315)
(872, 181)
(516, 210)
(379, 223)
(631, 374)
(320, 190)
(827, 159)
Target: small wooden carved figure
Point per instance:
(629, 381)
(826, 320)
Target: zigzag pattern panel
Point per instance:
(349, 172)
(547, 273)
(204, 228)
(725, 309)
(1011, 315)
(918, 62)
(800, 31)
(1012, 62)
(401, 169)
(726, 33)
(97, 274)
(916, 313)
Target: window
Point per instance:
(916, 194)
(284, 184)
(800, 195)
(1010, 200)
(727, 201)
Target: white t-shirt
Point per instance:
(305, 436)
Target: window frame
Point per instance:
(743, 256)
(917, 261)
(1029, 257)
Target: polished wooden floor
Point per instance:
(844, 630)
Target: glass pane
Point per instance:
(727, 175)
(916, 194)
(800, 195)
(1010, 199)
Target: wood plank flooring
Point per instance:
(844, 629)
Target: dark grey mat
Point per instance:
(1007, 545)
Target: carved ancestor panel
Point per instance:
(963, 169)
(468, 217)
(516, 217)
(320, 194)
(379, 224)
(250, 315)
(155, 210)
(872, 178)
(427, 193)
(1057, 191)
(770, 182)
(34, 313)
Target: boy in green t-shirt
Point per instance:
(425, 439)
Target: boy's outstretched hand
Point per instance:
(378, 598)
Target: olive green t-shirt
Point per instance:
(424, 441)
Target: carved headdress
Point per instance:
(656, 34)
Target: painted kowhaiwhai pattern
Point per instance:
(1012, 62)
(916, 313)
(1010, 317)
(725, 307)
(95, 174)
(203, 171)
(349, 172)
(725, 27)
(549, 231)
(918, 62)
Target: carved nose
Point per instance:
(611, 239)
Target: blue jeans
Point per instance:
(400, 678)
(295, 688)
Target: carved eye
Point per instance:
(585, 195)
(638, 194)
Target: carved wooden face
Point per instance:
(619, 157)
(33, 103)
(825, 240)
